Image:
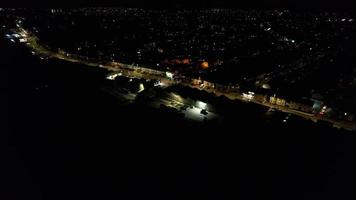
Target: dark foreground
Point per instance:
(64, 138)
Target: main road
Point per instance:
(145, 73)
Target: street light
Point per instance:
(201, 105)
(169, 75)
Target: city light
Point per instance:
(204, 65)
(181, 64)
(195, 111)
(201, 104)
(158, 83)
(112, 76)
(141, 88)
(177, 97)
(266, 86)
(323, 110)
(169, 75)
(16, 35)
(24, 33)
(248, 96)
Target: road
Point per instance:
(140, 72)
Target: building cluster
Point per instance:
(292, 54)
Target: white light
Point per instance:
(169, 75)
(177, 97)
(345, 114)
(23, 34)
(195, 110)
(112, 76)
(16, 35)
(201, 105)
(159, 83)
(142, 88)
(247, 96)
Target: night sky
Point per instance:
(258, 4)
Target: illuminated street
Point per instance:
(143, 73)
